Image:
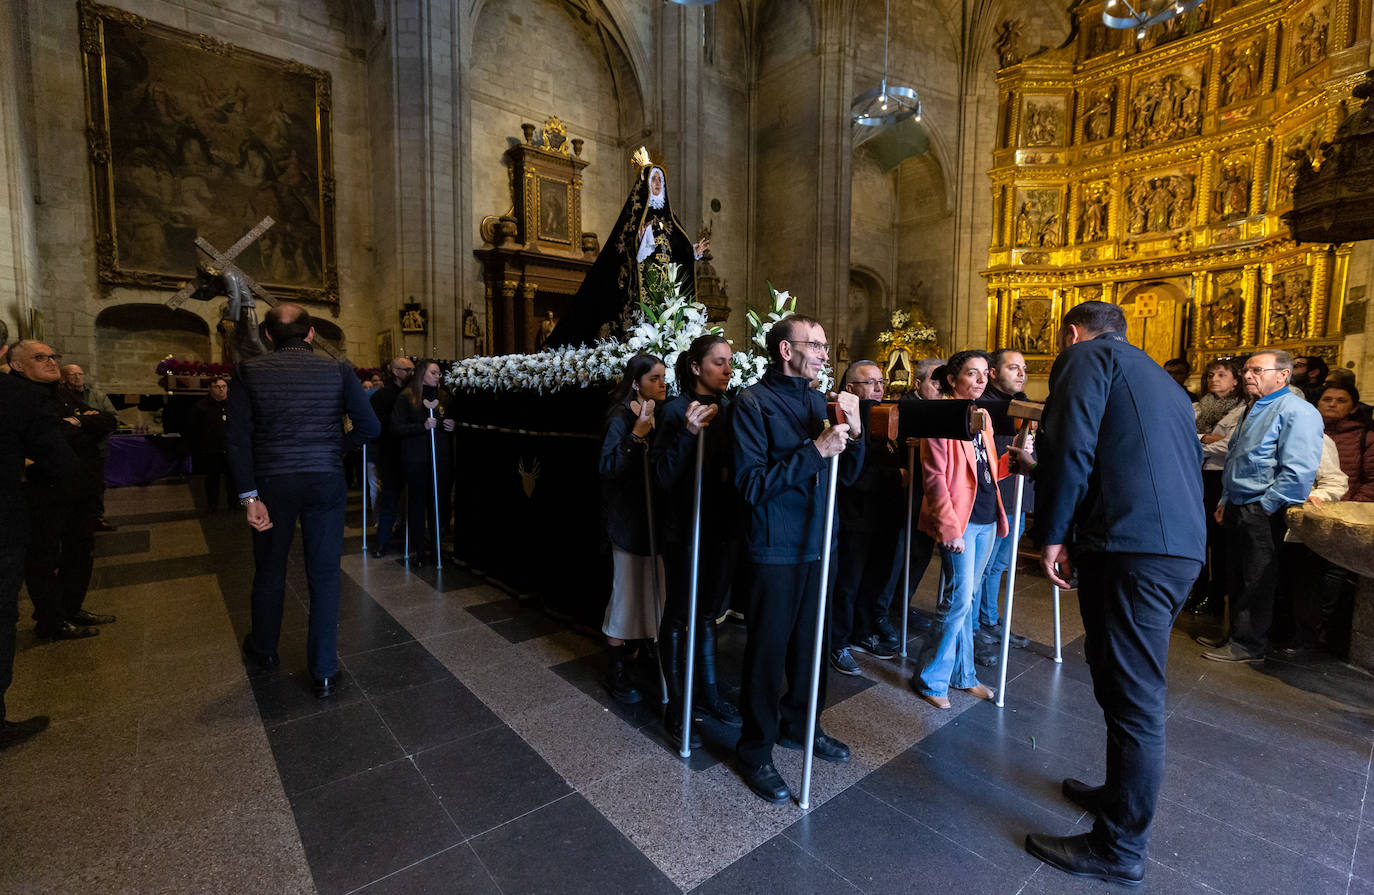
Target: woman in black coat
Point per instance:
(634, 609)
(700, 410)
(418, 410)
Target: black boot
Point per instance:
(617, 677)
(707, 693)
(1209, 605)
(672, 657)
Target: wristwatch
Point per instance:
(245, 501)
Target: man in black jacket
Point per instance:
(286, 445)
(390, 471)
(1120, 503)
(782, 449)
(63, 511)
(30, 430)
(209, 425)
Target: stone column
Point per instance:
(18, 241)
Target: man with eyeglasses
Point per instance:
(782, 456)
(1270, 465)
(871, 529)
(62, 511)
(30, 431)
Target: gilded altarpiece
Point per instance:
(1152, 173)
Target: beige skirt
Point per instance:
(636, 601)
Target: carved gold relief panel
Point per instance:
(1221, 318)
(1098, 112)
(1288, 301)
(1033, 323)
(1043, 120)
(1165, 106)
(1038, 220)
(1160, 201)
(1241, 73)
(1232, 182)
(1307, 39)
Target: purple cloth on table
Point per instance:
(143, 459)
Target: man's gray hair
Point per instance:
(1283, 360)
(925, 366)
(853, 368)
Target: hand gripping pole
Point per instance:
(434, 468)
(808, 745)
(695, 581)
(910, 506)
(658, 580)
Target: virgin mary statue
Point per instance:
(646, 233)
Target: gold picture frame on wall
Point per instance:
(189, 136)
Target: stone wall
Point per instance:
(303, 30)
(131, 339)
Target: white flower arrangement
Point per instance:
(667, 325)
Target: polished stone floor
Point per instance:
(472, 750)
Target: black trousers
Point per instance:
(420, 504)
(58, 568)
(870, 568)
(389, 500)
(215, 468)
(317, 501)
(1254, 547)
(781, 636)
(718, 561)
(13, 546)
(1215, 570)
(1129, 602)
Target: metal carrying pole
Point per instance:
(434, 468)
(813, 709)
(1058, 657)
(658, 580)
(367, 487)
(695, 580)
(1015, 536)
(910, 506)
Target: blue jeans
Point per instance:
(1003, 552)
(947, 659)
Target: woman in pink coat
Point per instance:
(962, 510)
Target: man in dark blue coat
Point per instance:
(30, 431)
(782, 453)
(285, 445)
(1120, 505)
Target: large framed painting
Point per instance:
(190, 136)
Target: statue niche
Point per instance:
(1290, 296)
(1241, 69)
(1223, 311)
(1231, 197)
(1097, 119)
(1092, 218)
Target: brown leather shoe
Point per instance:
(982, 691)
(939, 702)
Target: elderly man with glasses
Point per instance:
(1270, 465)
(62, 510)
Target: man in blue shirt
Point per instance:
(1270, 465)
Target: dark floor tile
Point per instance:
(395, 668)
(880, 850)
(130, 519)
(568, 848)
(1231, 860)
(1263, 762)
(1159, 880)
(526, 626)
(372, 824)
(454, 870)
(329, 746)
(1041, 727)
(967, 806)
(1304, 826)
(839, 687)
(450, 578)
(487, 779)
(373, 628)
(434, 713)
(1363, 866)
(586, 674)
(150, 571)
(496, 610)
(285, 696)
(120, 543)
(779, 865)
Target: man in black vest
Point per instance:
(1120, 503)
(209, 423)
(388, 453)
(31, 431)
(782, 452)
(286, 444)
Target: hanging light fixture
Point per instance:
(886, 103)
(1141, 14)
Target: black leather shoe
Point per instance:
(672, 725)
(826, 748)
(12, 733)
(82, 617)
(265, 661)
(1075, 856)
(767, 783)
(1208, 605)
(1213, 642)
(103, 524)
(64, 630)
(326, 687)
(722, 710)
(375, 552)
(1089, 798)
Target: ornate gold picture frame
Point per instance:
(189, 136)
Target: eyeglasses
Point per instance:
(868, 382)
(1259, 370)
(822, 347)
(45, 358)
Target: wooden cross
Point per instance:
(224, 263)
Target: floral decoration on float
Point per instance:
(906, 342)
(666, 324)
